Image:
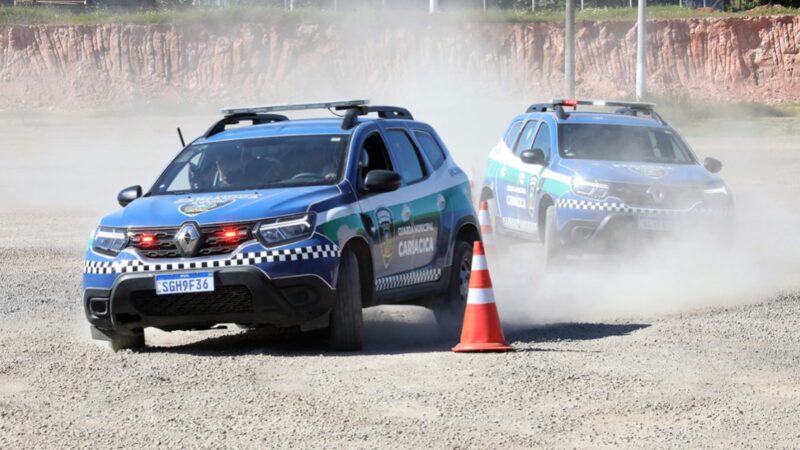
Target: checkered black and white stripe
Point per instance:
(407, 279)
(242, 259)
(621, 207)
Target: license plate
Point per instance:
(184, 283)
(657, 224)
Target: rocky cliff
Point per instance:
(54, 66)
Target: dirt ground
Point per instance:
(717, 370)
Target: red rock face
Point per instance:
(52, 66)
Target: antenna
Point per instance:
(180, 135)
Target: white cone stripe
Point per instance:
(479, 263)
(480, 296)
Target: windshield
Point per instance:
(622, 143)
(272, 162)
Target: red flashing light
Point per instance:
(572, 103)
(147, 241)
(230, 234)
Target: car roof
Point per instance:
(298, 127)
(594, 117)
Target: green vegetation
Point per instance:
(261, 14)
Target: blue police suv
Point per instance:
(585, 181)
(286, 223)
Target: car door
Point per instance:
(533, 178)
(517, 177)
(420, 228)
(383, 213)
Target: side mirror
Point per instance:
(382, 181)
(128, 195)
(535, 156)
(713, 165)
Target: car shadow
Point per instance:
(387, 337)
(572, 331)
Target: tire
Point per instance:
(553, 247)
(116, 342)
(450, 313)
(347, 322)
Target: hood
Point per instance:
(640, 173)
(221, 207)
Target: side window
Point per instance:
(543, 140)
(431, 148)
(373, 156)
(526, 138)
(511, 134)
(406, 156)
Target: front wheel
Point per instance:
(553, 247)
(115, 341)
(450, 313)
(347, 322)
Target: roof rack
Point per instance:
(384, 112)
(628, 108)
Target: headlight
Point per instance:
(284, 230)
(590, 189)
(109, 241)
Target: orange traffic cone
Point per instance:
(485, 221)
(482, 331)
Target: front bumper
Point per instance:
(603, 227)
(242, 295)
(287, 286)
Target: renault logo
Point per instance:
(188, 239)
(656, 192)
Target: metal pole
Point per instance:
(335, 5)
(484, 5)
(533, 6)
(434, 6)
(569, 50)
(581, 5)
(641, 51)
(291, 5)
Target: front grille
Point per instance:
(675, 197)
(213, 239)
(224, 300)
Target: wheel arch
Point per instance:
(360, 247)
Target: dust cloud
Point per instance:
(75, 162)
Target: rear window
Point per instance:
(622, 143)
(431, 148)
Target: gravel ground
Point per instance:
(718, 377)
(704, 377)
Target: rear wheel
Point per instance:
(347, 322)
(450, 313)
(553, 247)
(115, 341)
